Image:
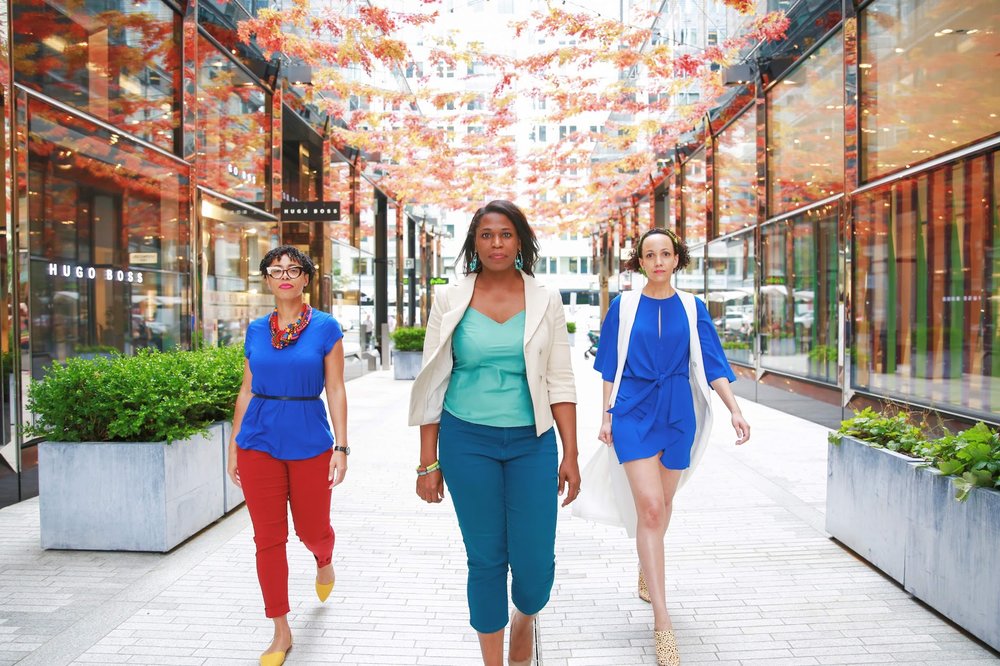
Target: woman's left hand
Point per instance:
(338, 468)
(569, 475)
(741, 427)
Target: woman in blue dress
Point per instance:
(656, 366)
(283, 452)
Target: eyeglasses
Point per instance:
(278, 272)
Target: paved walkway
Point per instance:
(752, 577)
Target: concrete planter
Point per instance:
(138, 496)
(406, 364)
(904, 519)
(867, 497)
(951, 553)
(232, 495)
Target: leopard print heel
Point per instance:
(666, 649)
(643, 588)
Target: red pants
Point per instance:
(269, 486)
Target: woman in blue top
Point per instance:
(496, 376)
(655, 368)
(282, 449)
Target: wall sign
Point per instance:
(94, 273)
(310, 211)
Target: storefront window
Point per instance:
(805, 141)
(234, 128)
(117, 61)
(694, 197)
(730, 269)
(927, 265)
(924, 86)
(108, 242)
(234, 240)
(301, 160)
(736, 173)
(799, 294)
(692, 278)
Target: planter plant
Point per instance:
(133, 457)
(408, 351)
(926, 511)
(571, 331)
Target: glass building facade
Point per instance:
(148, 156)
(844, 226)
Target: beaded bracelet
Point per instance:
(424, 471)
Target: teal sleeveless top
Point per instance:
(489, 384)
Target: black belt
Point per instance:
(281, 397)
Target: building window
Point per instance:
(108, 240)
(731, 294)
(736, 174)
(116, 61)
(694, 196)
(924, 89)
(799, 294)
(926, 270)
(542, 137)
(542, 265)
(805, 139)
(234, 128)
(574, 265)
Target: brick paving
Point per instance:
(752, 577)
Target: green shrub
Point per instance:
(971, 456)
(823, 353)
(149, 397)
(571, 327)
(895, 433)
(735, 344)
(408, 338)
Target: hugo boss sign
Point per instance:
(94, 273)
(310, 211)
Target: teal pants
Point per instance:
(504, 485)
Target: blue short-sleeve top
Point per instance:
(289, 429)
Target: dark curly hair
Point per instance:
(680, 249)
(293, 253)
(529, 244)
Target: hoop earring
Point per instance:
(519, 261)
(474, 264)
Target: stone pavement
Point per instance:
(752, 577)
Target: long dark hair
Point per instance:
(680, 249)
(529, 244)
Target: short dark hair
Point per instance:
(529, 244)
(680, 249)
(293, 253)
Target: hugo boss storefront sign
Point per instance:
(107, 250)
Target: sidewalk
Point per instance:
(751, 576)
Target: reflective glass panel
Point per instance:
(736, 173)
(234, 128)
(927, 274)
(730, 269)
(926, 87)
(805, 141)
(108, 242)
(692, 278)
(798, 294)
(693, 194)
(117, 61)
(234, 293)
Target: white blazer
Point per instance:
(609, 480)
(546, 351)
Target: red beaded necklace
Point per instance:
(283, 337)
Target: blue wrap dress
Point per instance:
(654, 410)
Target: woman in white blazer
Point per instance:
(658, 355)
(496, 376)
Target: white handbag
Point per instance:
(605, 496)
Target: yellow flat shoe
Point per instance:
(323, 590)
(274, 658)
